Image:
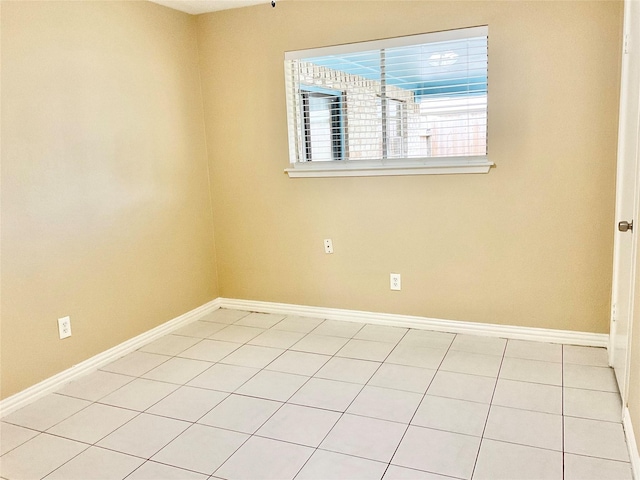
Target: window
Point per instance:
(406, 105)
(322, 124)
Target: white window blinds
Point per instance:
(414, 97)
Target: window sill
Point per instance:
(392, 168)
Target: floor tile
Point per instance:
(240, 413)
(590, 378)
(188, 403)
(325, 465)
(297, 424)
(385, 404)
(294, 323)
(93, 423)
(265, 458)
(381, 333)
(273, 385)
(97, 464)
(169, 345)
(321, 344)
(177, 370)
(451, 415)
(402, 377)
(253, 356)
(525, 427)
(578, 467)
(595, 438)
(144, 435)
(478, 344)
(507, 461)
(329, 394)
(199, 329)
(364, 437)
(158, 471)
(366, 350)
(209, 350)
(46, 412)
(139, 394)
(237, 334)
(531, 371)
(95, 385)
(226, 378)
(324, 400)
(438, 452)
(224, 315)
(299, 363)
(337, 328)
(260, 320)
(200, 448)
(462, 386)
(427, 338)
(276, 339)
(12, 436)
(39, 456)
(402, 473)
(593, 356)
(471, 363)
(544, 352)
(423, 357)
(348, 370)
(592, 404)
(135, 363)
(528, 396)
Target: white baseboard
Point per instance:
(632, 445)
(31, 394)
(53, 383)
(453, 326)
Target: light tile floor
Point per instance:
(240, 395)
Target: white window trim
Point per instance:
(403, 41)
(389, 167)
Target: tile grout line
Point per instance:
(420, 403)
(151, 406)
(486, 422)
(43, 432)
(347, 407)
(289, 398)
(249, 436)
(195, 423)
(363, 386)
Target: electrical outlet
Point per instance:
(394, 280)
(328, 245)
(64, 327)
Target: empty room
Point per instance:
(319, 239)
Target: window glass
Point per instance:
(416, 97)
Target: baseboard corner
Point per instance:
(39, 390)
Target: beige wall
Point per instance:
(105, 200)
(528, 244)
(106, 204)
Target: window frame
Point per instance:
(384, 166)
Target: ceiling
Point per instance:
(196, 7)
